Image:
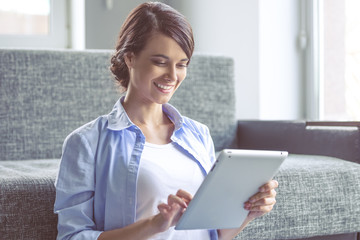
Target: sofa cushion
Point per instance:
(27, 196)
(317, 195)
(46, 94)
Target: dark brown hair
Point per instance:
(144, 20)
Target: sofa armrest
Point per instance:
(340, 140)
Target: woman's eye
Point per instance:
(182, 65)
(159, 63)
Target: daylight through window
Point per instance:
(24, 17)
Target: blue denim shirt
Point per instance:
(96, 183)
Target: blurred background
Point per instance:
(294, 59)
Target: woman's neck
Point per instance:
(142, 113)
(154, 124)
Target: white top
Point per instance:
(163, 171)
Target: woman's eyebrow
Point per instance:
(167, 58)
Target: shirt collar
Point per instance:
(119, 120)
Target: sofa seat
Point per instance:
(27, 195)
(318, 195)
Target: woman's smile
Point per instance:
(164, 88)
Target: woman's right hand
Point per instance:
(169, 215)
(171, 211)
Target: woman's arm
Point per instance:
(75, 185)
(258, 205)
(169, 214)
(142, 229)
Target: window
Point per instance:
(337, 57)
(24, 17)
(35, 23)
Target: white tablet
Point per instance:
(234, 178)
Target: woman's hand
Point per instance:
(169, 215)
(258, 205)
(171, 211)
(263, 201)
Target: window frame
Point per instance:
(55, 39)
(313, 65)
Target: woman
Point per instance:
(132, 173)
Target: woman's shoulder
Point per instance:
(195, 125)
(91, 129)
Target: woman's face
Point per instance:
(157, 71)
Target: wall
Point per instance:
(103, 25)
(334, 59)
(260, 35)
(281, 80)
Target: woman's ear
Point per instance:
(129, 59)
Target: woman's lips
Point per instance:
(164, 88)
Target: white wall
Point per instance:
(103, 24)
(281, 85)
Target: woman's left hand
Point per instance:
(263, 201)
(258, 205)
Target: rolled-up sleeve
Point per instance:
(75, 185)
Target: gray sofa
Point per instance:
(46, 94)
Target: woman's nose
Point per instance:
(172, 73)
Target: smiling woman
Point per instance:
(108, 163)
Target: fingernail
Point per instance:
(252, 200)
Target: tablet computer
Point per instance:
(234, 178)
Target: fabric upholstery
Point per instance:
(317, 195)
(298, 137)
(45, 95)
(27, 196)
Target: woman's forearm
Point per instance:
(144, 229)
(258, 205)
(140, 230)
(228, 234)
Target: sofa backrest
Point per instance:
(46, 94)
(334, 139)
